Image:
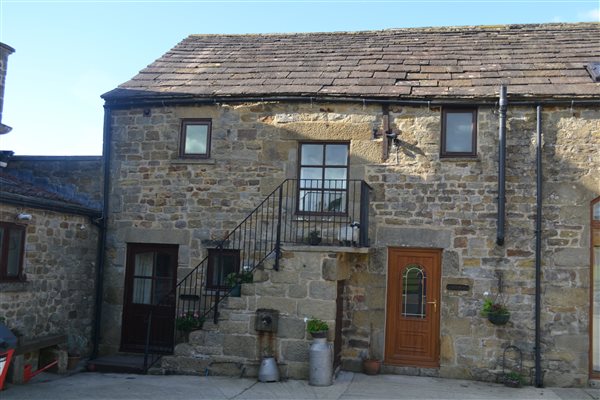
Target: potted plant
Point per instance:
(189, 321)
(75, 346)
(496, 312)
(314, 237)
(371, 364)
(513, 379)
(234, 281)
(317, 328)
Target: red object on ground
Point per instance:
(27, 374)
(4, 364)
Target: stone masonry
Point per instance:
(419, 200)
(57, 296)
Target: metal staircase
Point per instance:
(330, 212)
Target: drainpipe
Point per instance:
(538, 249)
(102, 223)
(501, 166)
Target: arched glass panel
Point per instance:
(414, 294)
(596, 212)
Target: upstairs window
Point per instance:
(323, 183)
(195, 138)
(12, 243)
(459, 132)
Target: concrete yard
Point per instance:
(348, 385)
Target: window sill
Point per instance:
(202, 161)
(15, 286)
(460, 159)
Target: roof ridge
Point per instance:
(437, 29)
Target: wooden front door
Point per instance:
(412, 334)
(150, 275)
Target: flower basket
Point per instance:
(498, 319)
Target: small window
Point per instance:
(459, 133)
(195, 138)
(221, 262)
(12, 243)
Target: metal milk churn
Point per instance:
(268, 371)
(320, 357)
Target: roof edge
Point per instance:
(49, 205)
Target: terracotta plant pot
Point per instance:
(371, 366)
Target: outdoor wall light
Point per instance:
(24, 217)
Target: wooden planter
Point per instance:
(498, 319)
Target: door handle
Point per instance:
(434, 305)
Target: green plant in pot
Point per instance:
(235, 279)
(496, 312)
(317, 328)
(189, 321)
(314, 237)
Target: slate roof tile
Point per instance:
(541, 60)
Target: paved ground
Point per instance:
(348, 385)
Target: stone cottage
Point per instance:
(50, 209)
(387, 182)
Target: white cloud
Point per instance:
(591, 15)
(557, 19)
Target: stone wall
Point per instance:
(419, 200)
(57, 296)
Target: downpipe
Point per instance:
(538, 249)
(501, 166)
(102, 224)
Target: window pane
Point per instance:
(459, 132)
(163, 265)
(334, 201)
(143, 264)
(162, 287)
(597, 211)
(15, 244)
(142, 289)
(311, 177)
(196, 139)
(310, 200)
(335, 178)
(1, 240)
(312, 154)
(413, 292)
(222, 265)
(336, 154)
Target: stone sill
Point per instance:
(326, 249)
(14, 286)
(460, 159)
(202, 161)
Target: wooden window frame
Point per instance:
(183, 135)
(212, 255)
(455, 110)
(8, 227)
(323, 167)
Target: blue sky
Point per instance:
(70, 52)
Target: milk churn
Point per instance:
(320, 358)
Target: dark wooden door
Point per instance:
(150, 276)
(412, 334)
